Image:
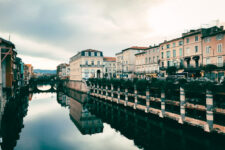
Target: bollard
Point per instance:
(209, 111)
(135, 97)
(182, 106)
(147, 100)
(118, 95)
(112, 90)
(162, 113)
(126, 97)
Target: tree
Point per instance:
(171, 70)
(209, 68)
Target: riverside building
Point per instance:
(86, 64)
(125, 61)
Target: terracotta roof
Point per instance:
(109, 58)
(138, 47)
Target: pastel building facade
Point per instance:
(109, 70)
(171, 53)
(126, 63)
(86, 64)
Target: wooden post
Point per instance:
(182, 106)
(118, 95)
(147, 100)
(126, 97)
(112, 92)
(162, 113)
(209, 111)
(135, 96)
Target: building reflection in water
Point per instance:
(86, 122)
(150, 132)
(12, 115)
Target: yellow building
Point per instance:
(86, 64)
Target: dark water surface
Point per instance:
(73, 121)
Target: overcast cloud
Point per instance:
(47, 32)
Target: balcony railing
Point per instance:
(91, 65)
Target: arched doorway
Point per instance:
(98, 73)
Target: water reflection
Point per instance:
(79, 113)
(12, 120)
(73, 123)
(150, 132)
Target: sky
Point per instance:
(49, 32)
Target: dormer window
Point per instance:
(86, 54)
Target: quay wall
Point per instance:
(148, 103)
(78, 85)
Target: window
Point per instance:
(180, 43)
(146, 60)
(187, 40)
(196, 49)
(207, 61)
(162, 47)
(196, 38)
(174, 44)
(92, 62)
(162, 55)
(168, 54)
(98, 53)
(219, 48)
(98, 62)
(86, 53)
(153, 59)
(86, 62)
(92, 53)
(153, 50)
(149, 60)
(157, 58)
(187, 51)
(219, 37)
(207, 49)
(157, 49)
(208, 39)
(168, 46)
(180, 52)
(174, 53)
(219, 61)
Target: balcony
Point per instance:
(96, 66)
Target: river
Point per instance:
(70, 120)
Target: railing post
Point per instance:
(209, 111)
(147, 100)
(118, 94)
(126, 97)
(182, 106)
(101, 91)
(112, 92)
(162, 113)
(135, 96)
(106, 92)
(98, 90)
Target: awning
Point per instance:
(196, 57)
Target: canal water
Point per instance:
(69, 120)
